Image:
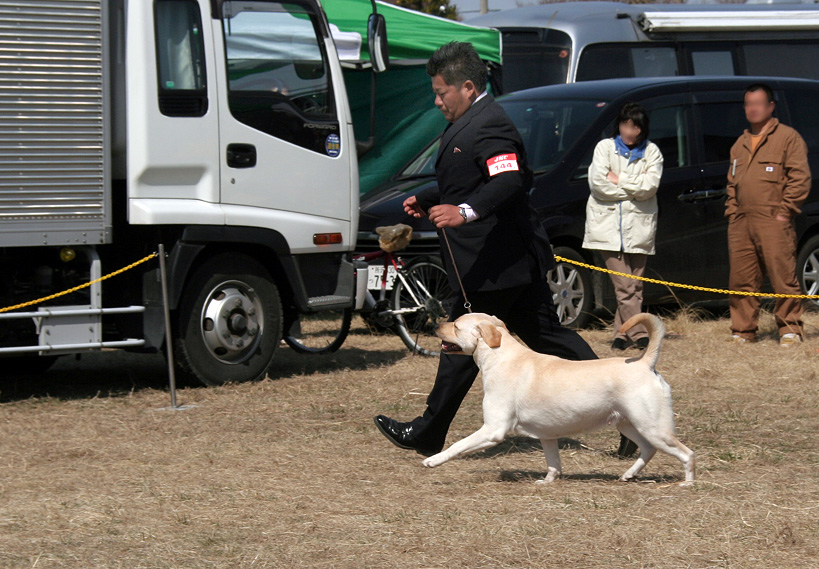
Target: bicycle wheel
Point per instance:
(421, 300)
(320, 332)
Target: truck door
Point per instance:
(283, 135)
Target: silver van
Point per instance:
(581, 41)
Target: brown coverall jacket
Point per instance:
(773, 180)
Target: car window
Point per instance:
(424, 164)
(549, 128)
(582, 170)
(805, 116)
(668, 129)
(782, 59)
(712, 62)
(721, 124)
(606, 61)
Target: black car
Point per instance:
(694, 121)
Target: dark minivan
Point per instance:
(694, 121)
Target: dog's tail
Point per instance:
(656, 333)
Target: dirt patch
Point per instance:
(291, 472)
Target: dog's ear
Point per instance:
(490, 334)
(500, 323)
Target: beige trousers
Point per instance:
(629, 292)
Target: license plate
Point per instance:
(374, 273)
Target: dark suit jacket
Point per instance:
(504, 247)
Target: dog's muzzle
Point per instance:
(448, 347)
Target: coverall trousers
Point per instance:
(760, 244)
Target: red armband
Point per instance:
(502, 163)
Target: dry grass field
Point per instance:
(95, 472)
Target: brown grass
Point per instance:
(290, 472)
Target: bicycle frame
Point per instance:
(390, 259)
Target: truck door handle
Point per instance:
(241, 155)
(702, 195)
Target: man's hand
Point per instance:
(780, 217)
(445, 216)
(412, 208)
(612, 177)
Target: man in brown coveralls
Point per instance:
(768, 180)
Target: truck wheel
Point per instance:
(229, 321)
(571, 289)
(807, 268)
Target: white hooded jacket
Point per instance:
(623, 216)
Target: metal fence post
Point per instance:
(168, 338)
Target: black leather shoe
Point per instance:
(627, 447)
(402, 435)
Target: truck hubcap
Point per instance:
(232, 322)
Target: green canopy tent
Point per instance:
(403, 124)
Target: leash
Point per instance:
(467, 304)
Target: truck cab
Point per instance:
(220, 129)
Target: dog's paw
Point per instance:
(434, 460)
(551, 477)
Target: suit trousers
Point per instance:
(758, 244)
(629, 292)
(526, 310)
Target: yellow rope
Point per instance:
(687, 286)
(76, 288)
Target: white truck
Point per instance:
(218, 128)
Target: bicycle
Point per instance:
(420, 298)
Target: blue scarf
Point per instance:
(633, 154)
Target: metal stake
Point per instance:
(168, 339)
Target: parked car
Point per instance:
(694, 121)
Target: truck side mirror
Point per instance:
(377, 43)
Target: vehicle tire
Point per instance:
(320, 332)
(427, 282)
(807, 268)
(572, 291)
(229, 321)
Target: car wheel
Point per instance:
(229, 323)
(807, 268)
(571, 289)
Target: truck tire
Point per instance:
(571, 289)
(807, 269)
(229, 321)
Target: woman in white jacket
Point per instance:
(621, 214)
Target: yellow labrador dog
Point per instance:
(547, 397)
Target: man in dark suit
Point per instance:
(502, 254)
